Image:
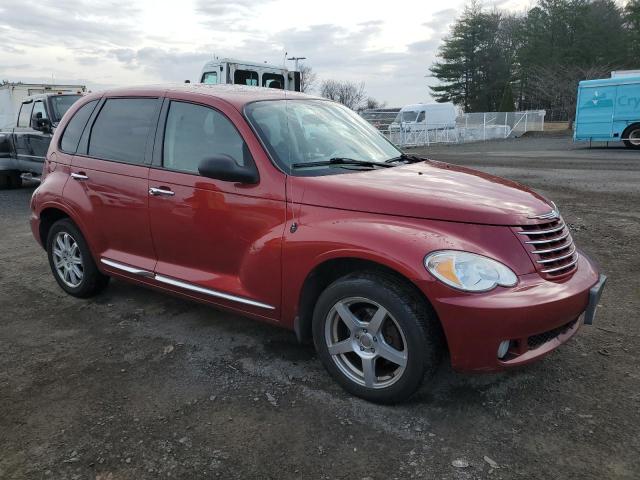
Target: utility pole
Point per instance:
(296, 59)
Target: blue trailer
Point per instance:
(608, 110)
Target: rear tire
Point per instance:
(10, 180)
(15, 180)
(71, 261)
(376, 337)
(631, 136)
(5, 181)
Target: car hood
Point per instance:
(429, 190)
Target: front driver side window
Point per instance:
(194, 132)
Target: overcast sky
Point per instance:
(387, 44)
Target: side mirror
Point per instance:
(41, 124)
(223, 167)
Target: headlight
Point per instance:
(469, 271)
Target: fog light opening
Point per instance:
(503, 348)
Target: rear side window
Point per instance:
(245, 77)
(273, 80)
(75, 127)
(120, 132)
(194, 132)
(24, 119)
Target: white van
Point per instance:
(425, 116)
(231, 71)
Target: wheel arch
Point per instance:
(329, 270)
(628, 130)
(49, 215)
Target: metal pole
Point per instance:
(484, 126)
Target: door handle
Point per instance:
(161, 191)
(79, 176)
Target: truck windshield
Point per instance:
(315, 131)
(60, 104)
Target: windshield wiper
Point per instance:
(407, 158)
(341, 161)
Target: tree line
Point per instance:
(351, 94)
(498, 61)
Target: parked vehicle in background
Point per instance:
(12, 95)
(23, 146)
(424, 116)
(380, 118)
(254, 74)
(608, 110)
(625, 73)
(294, 210)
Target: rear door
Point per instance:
(22, 129)
(595, 112)
(109, 184)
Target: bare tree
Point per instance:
(557, 85)
(350, 94)
(373, 104)
(307, 78)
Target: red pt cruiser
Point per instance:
(293, 210)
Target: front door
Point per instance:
(217, 240)
(109, 183)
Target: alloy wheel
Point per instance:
(366, 343)
(68, 259)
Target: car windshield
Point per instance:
(60, 104)
(406, 116)
(297, 132)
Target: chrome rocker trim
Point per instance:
(126, 268)
(185, 285)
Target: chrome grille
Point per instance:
(551, 246)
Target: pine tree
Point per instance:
(475, 60)
(632, 25)
(506, 104)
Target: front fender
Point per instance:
(398, 243)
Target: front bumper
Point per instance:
(536, 316)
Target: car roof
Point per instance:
(602, 82)
(237, 95)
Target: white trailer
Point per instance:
(256, 74)
(625, 73)
(12, 95)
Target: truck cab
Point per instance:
(24, 146)
(255, 74)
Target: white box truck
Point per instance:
(12, 94)
(255, 74)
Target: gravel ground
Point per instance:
(134, 384)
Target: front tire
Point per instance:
(71, 261)
(376, 337)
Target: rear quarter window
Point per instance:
(75, 127)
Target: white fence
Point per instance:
(470, 127)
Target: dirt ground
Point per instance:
(135, 384)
